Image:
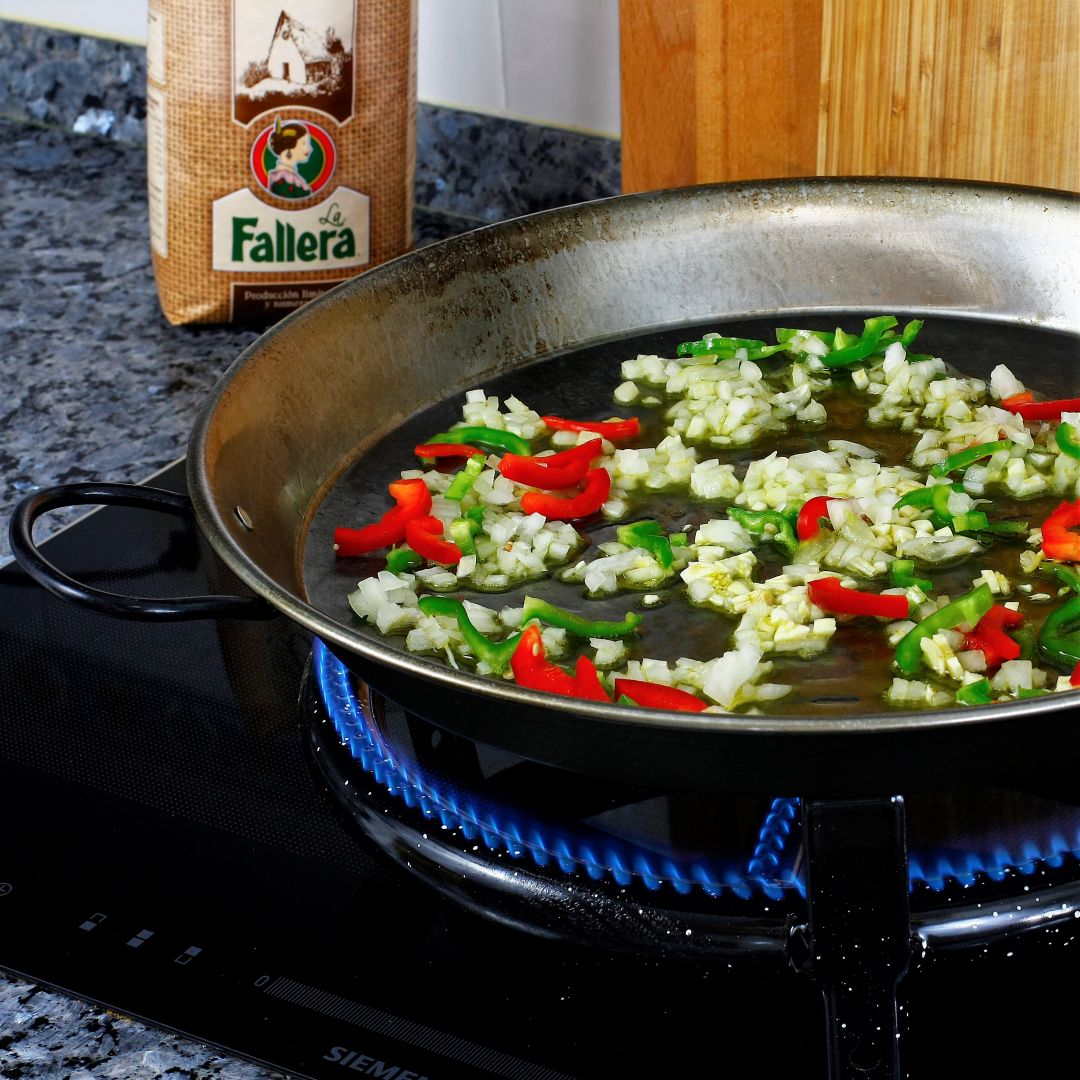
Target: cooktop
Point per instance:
(170, 852)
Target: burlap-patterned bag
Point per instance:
(281, 148)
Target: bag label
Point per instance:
(250, 236)
(259, 304)
(302, 58)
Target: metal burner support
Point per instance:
(856, 943)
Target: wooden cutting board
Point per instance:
(752, 89)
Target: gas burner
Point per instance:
(551, 852)
(563, 854)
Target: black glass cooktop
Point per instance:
(169, 851)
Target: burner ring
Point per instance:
(549, 870)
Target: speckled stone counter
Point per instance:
(97, 385)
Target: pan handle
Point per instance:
(29, 557)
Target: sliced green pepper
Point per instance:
(972, 521)
(460, 485)
(488, 438)
(1059, 636)
(911, 332)
(1067, 577)
(1068, 439)
(1024, 636)
(924, 496)
(755, 522)
(969, 456)
(902, 572)
(967, 610)
(462, 532)
(841, 340)
(863, 346)
(402, 559)
(784, 335)
(535, 608)
(715, 345)
(975, 693)
(648, 535)
(1006, 528)
(939, 500)
(496, 654)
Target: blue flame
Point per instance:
(965, 868)
(767, 873)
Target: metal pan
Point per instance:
(323, 389)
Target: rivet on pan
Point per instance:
(243, 517)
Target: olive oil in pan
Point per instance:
(853, 673)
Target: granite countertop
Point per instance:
(98, 386)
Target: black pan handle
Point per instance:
(29, 557)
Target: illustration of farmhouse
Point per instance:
(293, 62)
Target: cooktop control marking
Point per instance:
(93, 922)
(140, 938)
(188, 955)
(397, 1027)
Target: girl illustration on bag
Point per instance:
(291, 144)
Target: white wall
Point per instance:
(550, 61)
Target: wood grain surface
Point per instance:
(750, 89)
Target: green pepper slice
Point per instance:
(1068, 439)
(716, 345)
(969, 456)
(902, 572)
(975, 693)
(755, 522)
(868, 341)
(489, 438)
(648, 535)
(1059, 637)
(460, 485)
(402, 559)
(535, 608)
(1013, 529)
(496, 654)
(967, 609)
(972, 521)
(462, 532)
(924, 496)
(1067, 577)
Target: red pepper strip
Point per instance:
(813, 510)
(587, 681)
(656, 696)
(1058, 542)
(535, 672)
(612, 430)
(413, 500)
(445, 449)
(1043, 410)
(830, 595)
(989, 636)
(552, 473)
(424, 536)
(1026, 397)
(586, 502)
(1074, 678)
